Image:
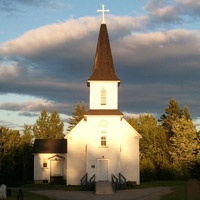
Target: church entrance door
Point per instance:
(103, 170)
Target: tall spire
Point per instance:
(103, 69)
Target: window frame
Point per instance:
(103, 141)
(44, 163)
(103, 96)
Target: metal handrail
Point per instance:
(92, 179)
(114, 182)
(92, 183)
(122, 180)
(84, 180)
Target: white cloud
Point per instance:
(47, 37)
(37, 105)
(51, 36)
(158, 45)
(162, 11)
(154, 4)
(168, 13)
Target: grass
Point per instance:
(178, 194)
(179, 188)
(29, 196)
(50, 187)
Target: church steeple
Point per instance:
(103, 69)
(103, 82)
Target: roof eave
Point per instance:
(96, 81)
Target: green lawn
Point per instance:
(179, 188)
(29, 196)
(50, 187)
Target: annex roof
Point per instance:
(50, 146)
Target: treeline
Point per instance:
(170, 147)
(16, 158)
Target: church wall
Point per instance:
(130, 154)
(111, 95)
(76, 163)
(85, 150)
(103, 126)
(43, 173)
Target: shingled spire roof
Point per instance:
(103, 69)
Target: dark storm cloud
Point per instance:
(54, 62)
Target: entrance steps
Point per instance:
(104, 187)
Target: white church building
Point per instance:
(103, 143)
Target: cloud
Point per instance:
(28, 114)
(159, 10)
(194, 4)
(53, 63)
(63, 34)
(7, 124)
(19, 79)
(35, 106)
(166, 14)
(11, 6)
(189, 7)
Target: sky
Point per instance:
(47, 50)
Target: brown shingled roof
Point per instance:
(103, 68)
(103, 112)
(50, 146)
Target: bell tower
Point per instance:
(103, 82)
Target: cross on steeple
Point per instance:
(103, 11)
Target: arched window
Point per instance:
(103, 97)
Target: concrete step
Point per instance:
(104, 187)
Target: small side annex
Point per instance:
(50, 160)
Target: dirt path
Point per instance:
(137, 194)
(193, 190)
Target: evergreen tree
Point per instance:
(56, 126)
(172, 113)
(41, 127)
(183, 145)
(48, 127)
(186, 113)
(9, 150)
(26, 157)
(77, 115)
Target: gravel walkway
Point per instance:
(136, 194)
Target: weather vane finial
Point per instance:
(103, 11)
